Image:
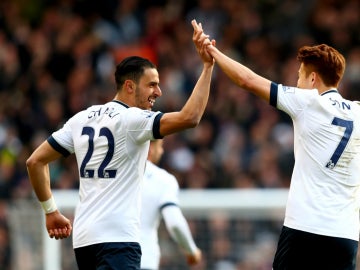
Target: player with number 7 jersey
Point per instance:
(321, 226)
(326, 172)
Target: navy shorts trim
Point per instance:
(109, 256)
(299, 250)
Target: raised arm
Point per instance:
(194, 108)
(240, 74)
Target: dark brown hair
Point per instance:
(131, 68)
(324, 60)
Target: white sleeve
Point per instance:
(178, 228)
(142, 125)
(293, 100)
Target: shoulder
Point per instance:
(144, 113)
(283, 89)
(357, 107)
(139, 115)
(290, 94)
(284, 92)
(86, 113)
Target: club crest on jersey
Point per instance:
(288, 89)
(330, 165)
(147, 113)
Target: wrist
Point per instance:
(49, 206)
(209, 65)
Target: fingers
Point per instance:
(203, 47)
(202, 41)
(193, 259)
(199, 37)
(203, 37)
(60, 233)
(198, 30)
(195, 25)
(58, 226)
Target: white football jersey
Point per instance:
(325, 184)
(111, 144)
(160, 189)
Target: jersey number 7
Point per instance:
(348, 125)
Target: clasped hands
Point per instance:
(202, 41)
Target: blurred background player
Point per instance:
(160, 199)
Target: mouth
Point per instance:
(151, 101)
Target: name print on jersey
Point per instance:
(342, 105)
(109, 111)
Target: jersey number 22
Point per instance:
(102, 173)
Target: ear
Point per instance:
(129, 86)
(313, 78)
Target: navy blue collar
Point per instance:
(121, 103)
(329, 91)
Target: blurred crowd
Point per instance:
(58, 56)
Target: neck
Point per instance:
(124, 99)
(323, 88)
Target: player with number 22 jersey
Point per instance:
(106, 136)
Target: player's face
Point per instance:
(148, 89)
(305, 81)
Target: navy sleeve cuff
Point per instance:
(156, 127)
(58, 147)
(273, 94)
(167, 204)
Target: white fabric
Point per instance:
(178, 228)
(160, 189)
(109, 207)
(49, 205)
(323, 199)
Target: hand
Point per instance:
(57, 225)
(201, 42)
(193, 259)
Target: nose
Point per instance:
(158, 91)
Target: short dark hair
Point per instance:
(325, 60)
(131, 68)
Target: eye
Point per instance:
(154, 84)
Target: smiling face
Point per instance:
(148, 89)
